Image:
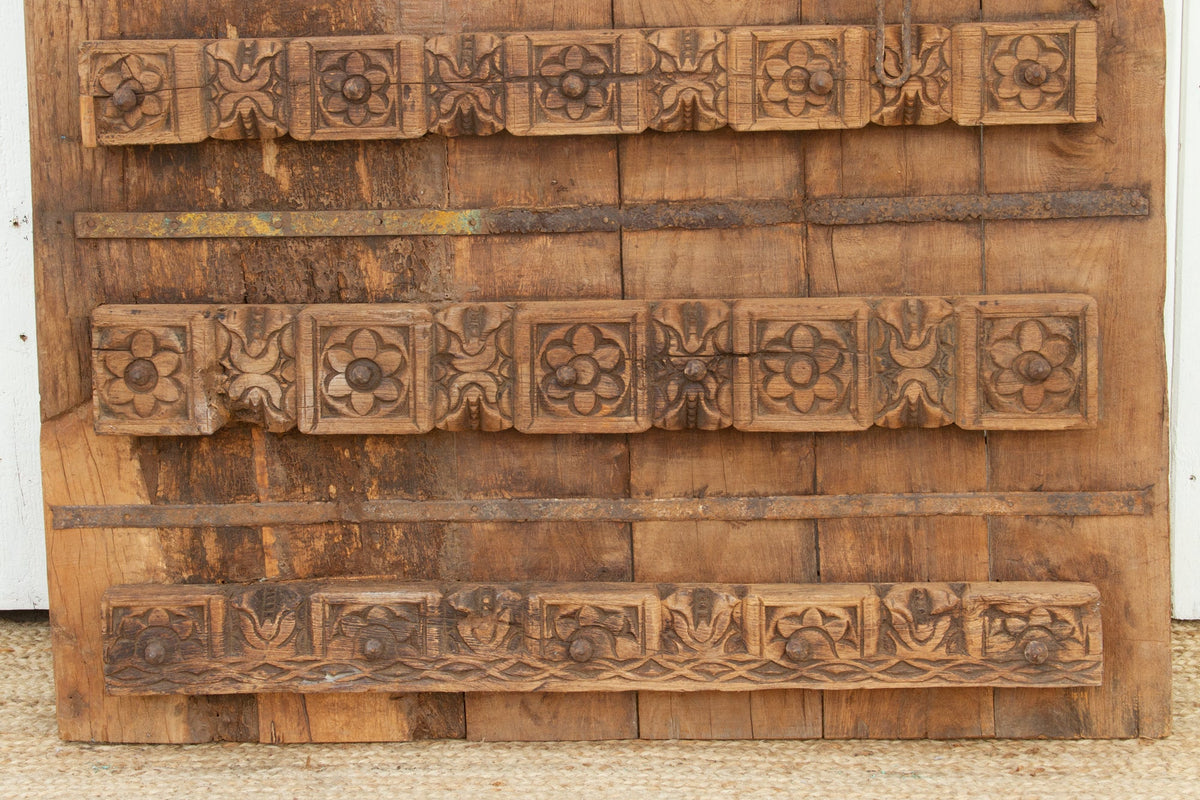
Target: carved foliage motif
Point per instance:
(245, 89)
(473, 375)
(691, 365)
(1033, 365)
(514, 637)
(1029, 72)
(256, 348)
(133, 91)
(465, 84)
(923, 99)
(913, 347)
(688, 79)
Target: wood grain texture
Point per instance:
(333, 636)
(1004, 362)
(578, 82)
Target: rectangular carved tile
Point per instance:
(348, 635)
(464, 84)
(365, 87)
(913, 365)
(1030, 627)
(256, 349)
(803, 365)
(575, 82)
(473, 373)
(798, 78)
(687, 85)
(925, 98)
(582, 626)
(581, 367)
(1028, 363)
(153, 371)
(691, 365)
(812, 623)
(373, 625)
(364, 369)
(246, 88)
(1019, 73)
(142, 92)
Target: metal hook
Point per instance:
(906, 46)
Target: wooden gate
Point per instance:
(585, 370)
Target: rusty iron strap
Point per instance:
(644, 217)
(732, 509)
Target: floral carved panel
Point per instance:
(912, 351)
(245, 90)
(256, 348)
(464, 84)
(473, 373)
(347, 635)
(691, 365)
(925, 97)
(142, 93)
(688, 79)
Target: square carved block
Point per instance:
(145, 92)
(151, 374)
(159, 633)
(803, 365)
(255, 348)
(580, 368)
(798, 78)
(245, 88)
(367, 87)
(687, 79)
(691, 365)
(375, 624)
(1029, 363)
(575, 82)
(1032, 627)
(923, 99)
(473, 374)
(574, 627)
(464, 84)
(1021, 73)
(913, 362)
(811, 623)
(364, 370)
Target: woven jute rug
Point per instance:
(35, 764)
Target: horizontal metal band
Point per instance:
(337, 636)
(638, 217)
(800, 77)
(728, 509)
(1013, 362)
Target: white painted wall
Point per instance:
(1183, 301)
(22, 551)
(22, 543)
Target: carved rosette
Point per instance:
(365, 372)
(687, 79)
(256, 348)
(923, 99)
(585, 368)
(246, 89)
(464, 77)
(1029, 72)
(473, 373)
(454, 637)
(805, 370)
(691, 365)
(134, 93)
(913, 348)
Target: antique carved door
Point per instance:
(588, 369)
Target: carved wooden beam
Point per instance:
(1015, 362)
(334, 636)
(578, 82)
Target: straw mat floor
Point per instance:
(35, 764)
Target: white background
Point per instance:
(22, 553)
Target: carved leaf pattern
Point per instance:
(487, 619)
(924, 99)
(245, 93)
(924, 620)
(688, 79)
(703, 620)
(914, 346)
(267, 617)
(257, 348)
(473, 368)
(691, 366)
(465, 75)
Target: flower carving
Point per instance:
(703, 620)
(144, 378)
(585, 632)
(801, 370)
(583, 370)
(267, 617)
(158, 635)
(816, 633)
(574, 80)
(133, 91)
(797, 78)
(380, 632)
(1030, 72)
(1033, 368)
(364, 371)
(356, 87)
